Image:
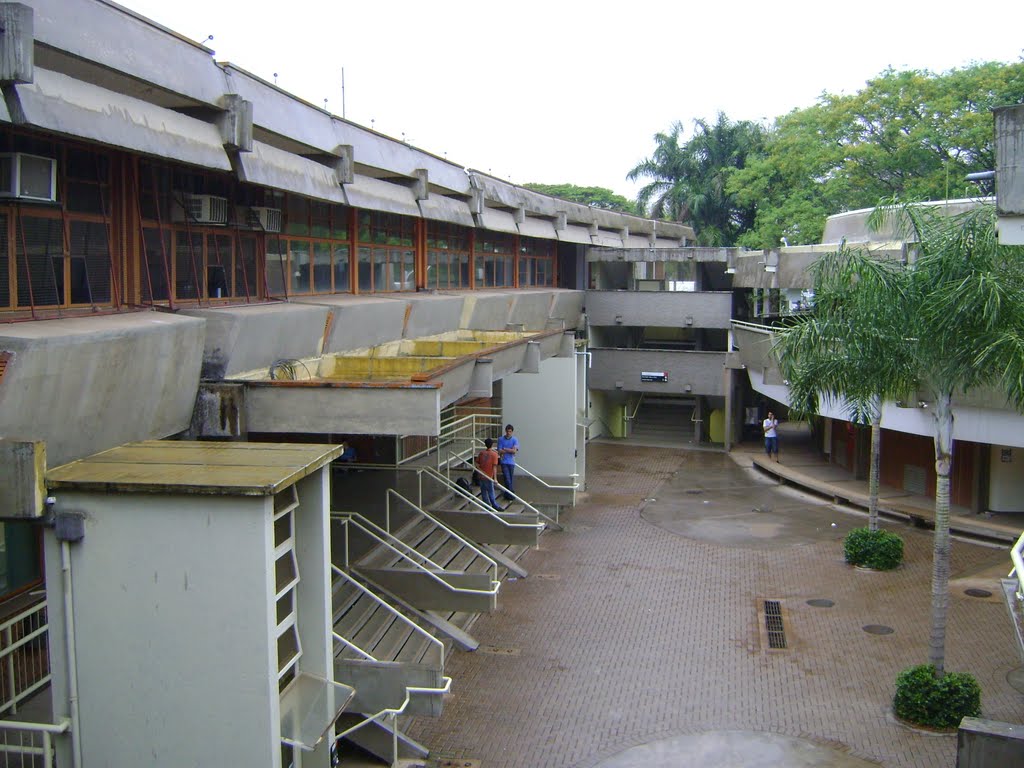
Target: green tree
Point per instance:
(914, 134)
(850, 347)
(963, 319)
(688, 181)
(595, 197)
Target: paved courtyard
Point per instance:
(637, 639)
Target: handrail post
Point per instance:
(12, 688)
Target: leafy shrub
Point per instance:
(923, 699)
(879, 550)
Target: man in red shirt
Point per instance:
(487, 466)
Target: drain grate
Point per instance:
(773, 624)
(975, 592)
(449, 762)
(498, 650)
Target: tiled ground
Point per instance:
(629, 630)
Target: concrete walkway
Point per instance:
(640, 639)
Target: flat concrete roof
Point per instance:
(211, 468)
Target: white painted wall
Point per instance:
(542, 407)
(172, 609)
(1006, 483)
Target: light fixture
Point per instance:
(922, 404)
(689, 320)
(687, 388)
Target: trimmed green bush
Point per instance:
(923, 699)
(880, 550)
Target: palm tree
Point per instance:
(688, 181)
(954, 318)
(850, 347)
(964, 327)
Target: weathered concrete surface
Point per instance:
(532, 309)
(983, 743)
(486, 311)
(701, 371)
(668, 309)
(88, 384)
(430, 314)
(240, 339)
(630, 635)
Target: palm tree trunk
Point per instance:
(873, 473)
(941, 545)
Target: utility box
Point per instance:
(22, 471)
(201, 591)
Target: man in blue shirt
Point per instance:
(508, 447)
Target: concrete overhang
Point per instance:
(395, 388)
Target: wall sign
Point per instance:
(653, 376)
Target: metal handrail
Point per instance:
(754, 326)
(483, 508)
(498, 486)
(10, 655)
(1017, 556)
(47, 732)
(387, 606)
(637, 409)
(542, 481)
(362, 523)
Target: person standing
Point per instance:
(508, 447)
(771, 435)
(487, 467)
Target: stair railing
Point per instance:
(34, 741)
(417, 560)
(416, 628)
(476, 502)
(540, 480)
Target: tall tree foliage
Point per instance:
(688, 180)
(850, 348)
(595, 197)
(914, 134)
(954, 317)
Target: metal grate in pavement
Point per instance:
(773, 624)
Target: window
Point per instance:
(536, 262)
(386, 256)
(448, 248)
(493, 259)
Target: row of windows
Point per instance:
(68, 254)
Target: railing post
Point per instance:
(47, 750)
(12, 688)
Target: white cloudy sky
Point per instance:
(565, 91)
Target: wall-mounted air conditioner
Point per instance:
(267, 219)
(200, 209)
(28, 177)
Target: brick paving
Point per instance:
(628, 633)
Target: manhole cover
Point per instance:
(975, 592)
(498, 650)
(878, 629)
(547, 576)
(448, 762)
(1015, 677)
(820, 602)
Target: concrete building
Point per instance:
(191, 255)
(207, 287)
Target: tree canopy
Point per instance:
(913, 134)
(687, 182)
(596, 197)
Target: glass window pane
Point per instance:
(341, 269)
(245, 268)
(90, 263)
(5, 287)
(322, 267)
(339, 222)
(40, 262)
(189, 271)
(365, 269)
(299, 264)
(277, 266)
(298, 215)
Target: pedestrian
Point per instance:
(508, 447)
(487, 465)
(771, 435)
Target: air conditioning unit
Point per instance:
(28, 177)
(200, 209)
(267, 219)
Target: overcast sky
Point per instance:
(558, 91)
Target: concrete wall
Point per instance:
(659, 309)
(172, 607)
(89, 384)
(1006, 479)
(542, 407)
(240, 339)
(701, 370)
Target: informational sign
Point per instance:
(653, 376)
(1006, 455)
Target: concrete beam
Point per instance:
(482, 383)
(16, 43)
(22, 477)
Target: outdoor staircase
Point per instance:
(664, 421)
